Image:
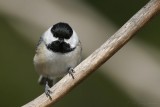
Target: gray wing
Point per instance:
(39, 42)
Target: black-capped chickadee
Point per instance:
(57, 53)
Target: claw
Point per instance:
(71, 71)
(48, 91)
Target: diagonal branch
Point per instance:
(101, 55)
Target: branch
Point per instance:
(101, 55)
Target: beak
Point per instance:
(61, 40)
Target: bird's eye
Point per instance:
(55, 36)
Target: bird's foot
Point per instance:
(71, 71)
(48, 91)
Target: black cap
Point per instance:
(62, 30)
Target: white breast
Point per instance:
(56, 64)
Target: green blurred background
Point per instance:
(120, 11)
(18, 83)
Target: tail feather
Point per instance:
(42, 81)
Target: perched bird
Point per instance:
(57, 53)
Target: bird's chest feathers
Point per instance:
(59, 60)
(58, 63)
(55, 64)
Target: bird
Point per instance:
(58, 52)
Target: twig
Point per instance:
(101, 55)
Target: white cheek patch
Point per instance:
(73, 41)
(48, 37)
